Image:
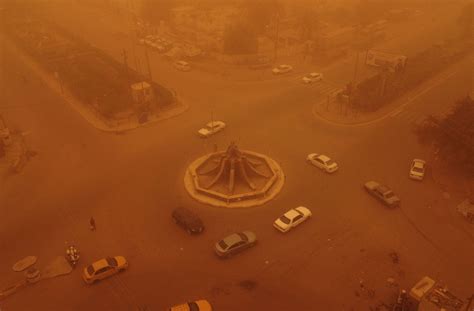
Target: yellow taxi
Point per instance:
(198, 305)
(104, 268)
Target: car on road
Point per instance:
(235, 243)
(312, 77)
(146, 40)
(292, 218)
(104, 268)
(188, 220)
(383, 193)
(281, 69)
(157, 47)
(181, 65)
(323, 162)
(417, 169)
(198, 305)
(211, 128)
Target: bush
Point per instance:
(452, 136)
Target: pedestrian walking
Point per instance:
(92, 223)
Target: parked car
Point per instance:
(292, 218)
(417, 169)
(211, 128)
(182, 65)
(282, 69)
(104, 268)
(198, 305)
(383, 193)
(148, 40)
(312, 77)
(188, 220)
(157, 47)
(323, 162)
(235, 243)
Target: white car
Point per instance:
(211, 128)
(323, 162)
(157, 47)
(312, 77)
(182, 65)
(292, 218)
(282, 69)
(417, 169)
(198, 305)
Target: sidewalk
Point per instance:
(89, 114)
(15, 155)
(340, 114)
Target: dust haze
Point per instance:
(236, 155)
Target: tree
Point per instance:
(308, 20)
(367, 11)
(465, 21)
(240, 38)
(259, 13)
(453, 136)
(155, 11)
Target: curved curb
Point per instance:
(275, 189)
(319, 116)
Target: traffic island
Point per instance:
(109, 95)
(234, 178)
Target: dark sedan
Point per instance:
(188, 220)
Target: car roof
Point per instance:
(419, 164)
(315, 74)
(214, 123)
(182, 62)
(232, 239)
(292, 213)
(384, 189)
(182, 211)
(99, 264)
(324, 157)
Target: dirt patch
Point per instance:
(248, 284)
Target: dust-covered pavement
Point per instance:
(130, 183)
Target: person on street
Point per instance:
(92, 223)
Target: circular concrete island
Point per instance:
(234, 178)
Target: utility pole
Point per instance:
(277, 36)
(212, 115)
(354, 78)
(127, 75)
(148, 63)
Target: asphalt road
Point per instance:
(131, 182)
